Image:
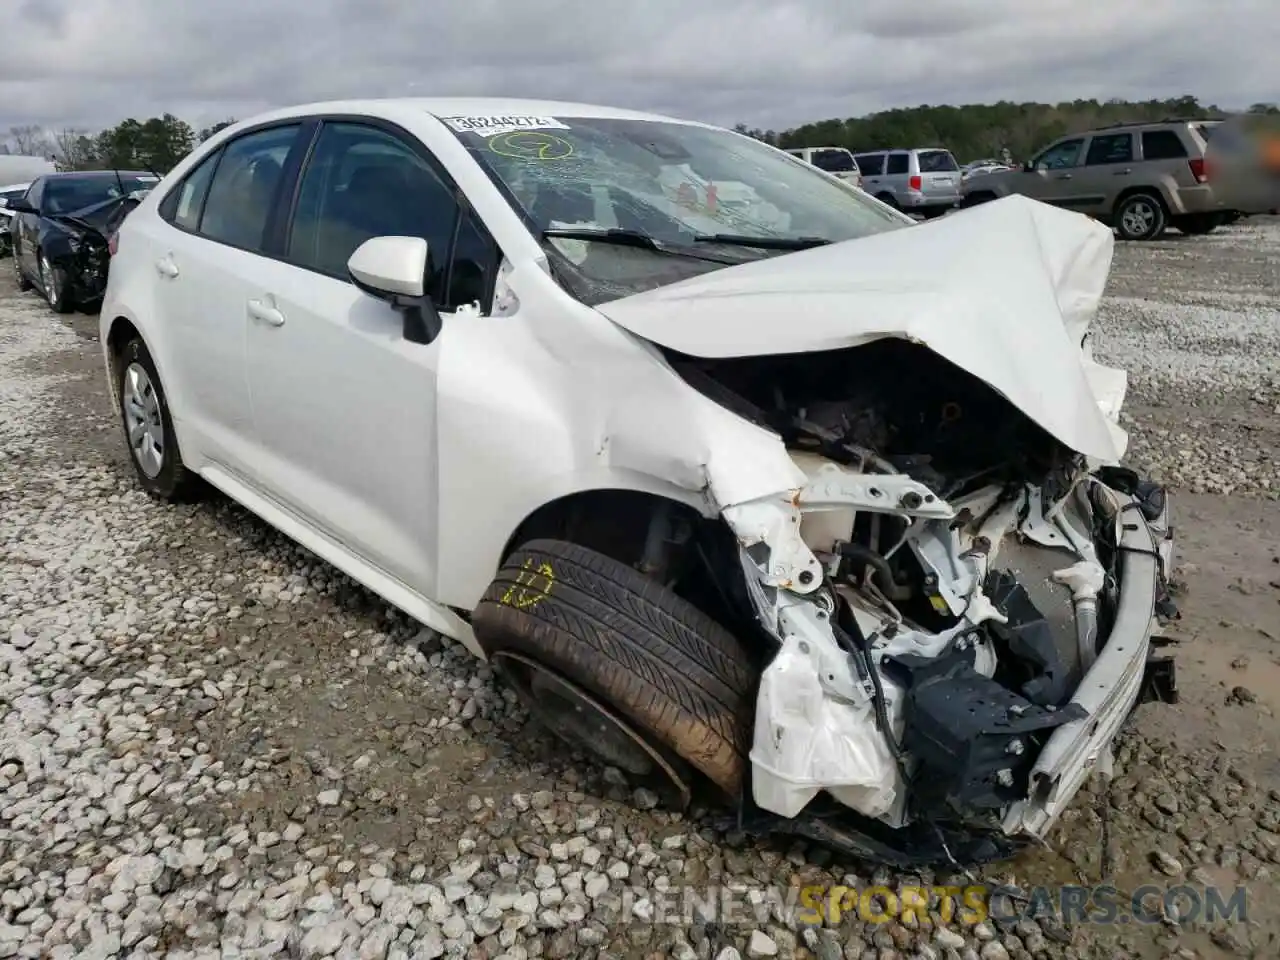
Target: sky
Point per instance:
(772, 64)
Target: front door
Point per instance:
(1052, 177)
(344, 406)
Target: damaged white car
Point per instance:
(742, 479)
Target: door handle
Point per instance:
(260, 310)
(1121, 173)
(1063, 176)
(166, 267)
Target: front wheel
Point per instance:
(148, 427)
(620, 666)
(1140, 217)
(55, 284)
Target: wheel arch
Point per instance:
(115, 336)
(1155, 192)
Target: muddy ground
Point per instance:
(212, 744)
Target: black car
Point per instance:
(61, 228)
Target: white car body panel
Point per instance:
(1005, 292)
(410, 466)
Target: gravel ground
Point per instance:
(214, 745)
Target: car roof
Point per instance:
(439, 107)
(93, 175)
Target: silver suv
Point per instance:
(923, 180)
(1138, 177)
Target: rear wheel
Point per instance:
(1140, 216)
(24, 283)
(620, 666)
(148, 426)
(973, 199)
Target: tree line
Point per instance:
(156, 144)
(971, 132)
(981, 130)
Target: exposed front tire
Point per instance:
(148, 426)
(588, 641)
(55, 284)
(1140, 216)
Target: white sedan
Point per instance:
(760, 488)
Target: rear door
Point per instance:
(897, 173)
(26, 227)
(1108, 169)
(212, 258)
(939, 175)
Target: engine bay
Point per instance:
(955, 621)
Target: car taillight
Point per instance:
(1199, 169)
(113, 243)
(916, 182)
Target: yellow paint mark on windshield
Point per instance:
(531, 145)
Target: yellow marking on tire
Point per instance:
(524, 594)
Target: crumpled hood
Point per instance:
(1005, 290)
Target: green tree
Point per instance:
(156, 144)
(210, 130)
(975, 131)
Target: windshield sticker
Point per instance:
(531, 145)
(492, 126)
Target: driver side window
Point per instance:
(1060, 155)
(363, 182)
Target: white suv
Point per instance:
(730, 470)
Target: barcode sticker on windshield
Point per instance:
(492, 126)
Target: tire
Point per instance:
(1198, 224)
(1140, 216)
(24, 282)
(55, 285)
(684, 682)
(170, 480)
(974, 199)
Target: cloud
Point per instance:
(768, 63)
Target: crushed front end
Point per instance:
(962, 608)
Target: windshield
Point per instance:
(674, 182)
(75, 193)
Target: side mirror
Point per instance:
(395, 269)
(20, 205)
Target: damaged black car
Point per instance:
(61, 229)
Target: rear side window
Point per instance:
(1162, 145)
(871, 164)
(898, 163)
(937, 161)
(833, 161)
(244, 185)
(184, 204)
(1109, 148)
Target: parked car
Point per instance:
(920, 180)
(719, 491)
(1138, 177)
(1243, 154)
(61, 228)
(11, 192)
(979, 167)
(835, 160)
